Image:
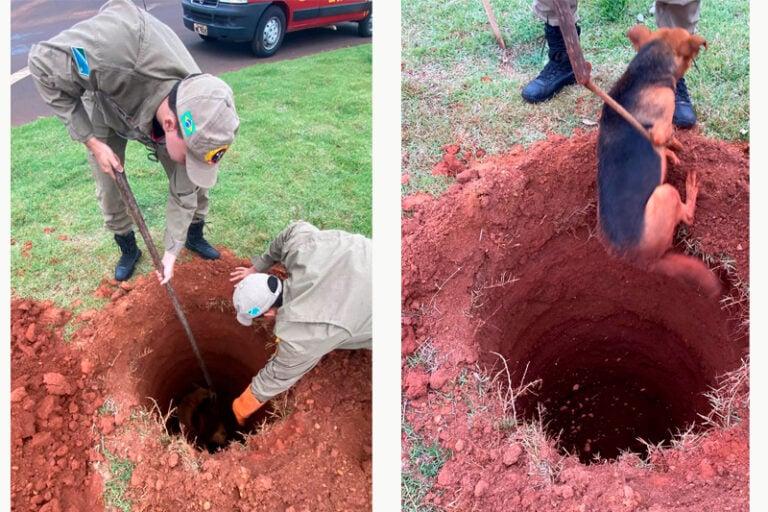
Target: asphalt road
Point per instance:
(38, 20)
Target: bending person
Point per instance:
(123, 75)
(324, 304)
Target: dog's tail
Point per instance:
(690, 270)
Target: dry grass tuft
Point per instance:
(426, 356)
(543, 458)
(508, 395)
(478, 299)
(736, 300)
(730, 399)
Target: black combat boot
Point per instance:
(198, 244)
(130, 255)
(556, 74)
(684, 116)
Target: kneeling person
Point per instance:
(323, 305)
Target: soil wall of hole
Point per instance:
(622, 354)
(170, 372)
(134, 349)
(155, 358)
(233, 355)
(507, 260)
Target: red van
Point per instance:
(264, 23)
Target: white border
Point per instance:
(386, 257)
(5, 263)
(386, 241)
(757, 234)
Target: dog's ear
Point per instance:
(688, 48)
(639, 35)
(695, 42)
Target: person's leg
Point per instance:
(195, 240)
(187, 209)
(202, 206)
(355, 344)
(557, 73)
(116, 217)
(545, 11)
(680, 14)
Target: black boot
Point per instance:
(556, 74)
(130, 255)
(198, 244)
(684, 116)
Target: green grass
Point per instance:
(458, 86)
(418, 476)
(302, 152)
(120, 471)
(428, 458)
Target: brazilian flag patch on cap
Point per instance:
(187, 123)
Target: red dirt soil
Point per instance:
(71, 401)
(506, 268)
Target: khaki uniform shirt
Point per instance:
(326, 301)
(123, 62)
(124, 58)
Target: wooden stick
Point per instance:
(133, 208)
(619, 109)
(494, 25)
(583, 69)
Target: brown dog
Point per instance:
(200, 418)
(638, 211)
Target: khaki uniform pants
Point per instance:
(354, 344)
(187, 203)
(669, 13)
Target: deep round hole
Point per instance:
(173, 378)
(607, 384)
(621, 354)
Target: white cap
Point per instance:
(253, 296)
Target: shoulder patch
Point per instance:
(81, 61)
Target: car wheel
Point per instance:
(365, 26)
(269, 32)
(207, 38)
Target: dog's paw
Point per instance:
(671, 157)
(674, 144)
(691, 193)
(692, 183)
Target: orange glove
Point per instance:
(245, 405)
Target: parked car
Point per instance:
(264, 23)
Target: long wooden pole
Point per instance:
(615, 105)
(494, 24)
(582, 69)
(133, 208)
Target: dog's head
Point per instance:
(685, 45)
(219, 436)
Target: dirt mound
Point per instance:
(54, 399)
(507, 289)
(309, 450)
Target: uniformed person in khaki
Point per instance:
(558, 72)
(122, 75)
(323, 305)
